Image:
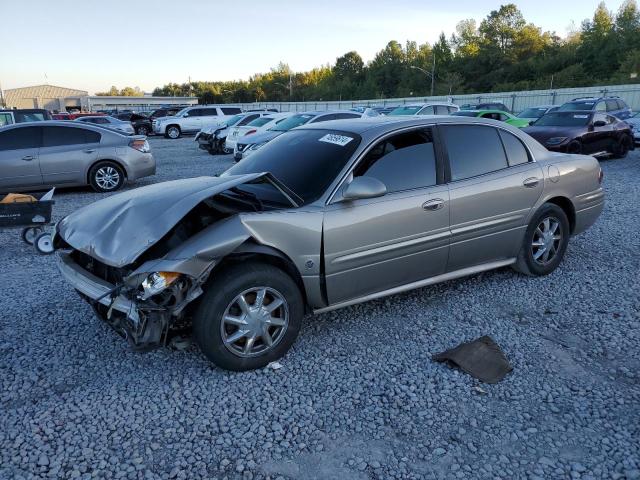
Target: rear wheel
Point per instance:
(106, 177)
(621, 147)
(142, 130)
(545, 241)
(249, 315)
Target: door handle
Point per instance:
(89, 150)
(432, 205)
(28, 158)
(531, 182)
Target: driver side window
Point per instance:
(402, 162)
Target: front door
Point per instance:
(372, 245)
(66, 153)
(492, 190)
(19, 165)
(192, 122)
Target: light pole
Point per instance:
(290, 86)
(431, 74)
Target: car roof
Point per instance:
(425, 104)
(60, 123)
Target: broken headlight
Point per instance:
(156, 282)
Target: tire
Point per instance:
(621, 147)
(574, 146)
(531, 258)
(221, 300)
(142, 130)
(29, 234)
(44, 244)
(173, 132)
(106, 177)
(212, 151)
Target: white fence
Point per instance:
(516, 101)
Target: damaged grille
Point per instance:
(101, 270)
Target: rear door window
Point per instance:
(473, 150)
(208, 112)
(516, 152)
(402, 162)
(21, 138)
(442, 110)
(231, 110)
(58, 136)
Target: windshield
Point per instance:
(466, 113)
(559, 119)
(179, 112)
(306, 161)
(406, 110)
(533, 112)
(576, 106)
(292, 122)
(235, 119)
(259, 122)
(29, 116)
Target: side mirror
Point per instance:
(364, 187)
(599, 123)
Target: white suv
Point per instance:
(193, 119)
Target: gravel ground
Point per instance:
(358, 396)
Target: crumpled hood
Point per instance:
(118, 229)
(260, 137)
(542, 134)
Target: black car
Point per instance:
(140, 123)
(486, 106)
(611, 105)
(165, 112)
(586, 132)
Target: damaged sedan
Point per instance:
(324, 216)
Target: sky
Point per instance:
(91, 45)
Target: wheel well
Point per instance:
(250, 252)
(565, 204)
(173, 125)
(101, 161)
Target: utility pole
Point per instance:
(433, 72)
(551, 85)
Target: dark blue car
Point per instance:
(611, 105)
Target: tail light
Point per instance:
(140, 145)
(250, 132)
(600, 176)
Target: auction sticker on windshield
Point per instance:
(335, 139)
(581, 116)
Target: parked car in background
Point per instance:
(634, 123)
(431, 108)
(213, 139)
(165, 112)
(247, 146)
(365, 111)
(486, 106)
(20, 115)
(259, 125)
(586, 132)
(498, 115)
(325, 216)
(107, 121)
(532, 114)
(611, 105)
(383, 110)
(140, 123)
(193, 119)
(53, 153)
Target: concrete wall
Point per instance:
(516, 101)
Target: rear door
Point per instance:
(490, 196)
(371, 245)
(66, 153)
(19, 165)
(193, 121)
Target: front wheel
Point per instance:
(142, 130)
(545, 241)
(249, 315)
(621, 147)
(173, 132)
(106, 177)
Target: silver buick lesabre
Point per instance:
(323, 217)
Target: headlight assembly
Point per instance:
(156, 282)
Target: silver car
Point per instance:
(324, 216)
(39, 155)
(108, 122)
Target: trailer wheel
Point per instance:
(29, 234)
(44, 244)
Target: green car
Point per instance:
(495, 115)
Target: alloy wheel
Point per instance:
(547, 238)
(107, 178)
(254, 322)
(173, 132)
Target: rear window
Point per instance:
(306, 161)
(231, 110)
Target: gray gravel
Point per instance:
(358, 396)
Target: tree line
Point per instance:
(502, 53)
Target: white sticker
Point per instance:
(581, 116)
(335, 139)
